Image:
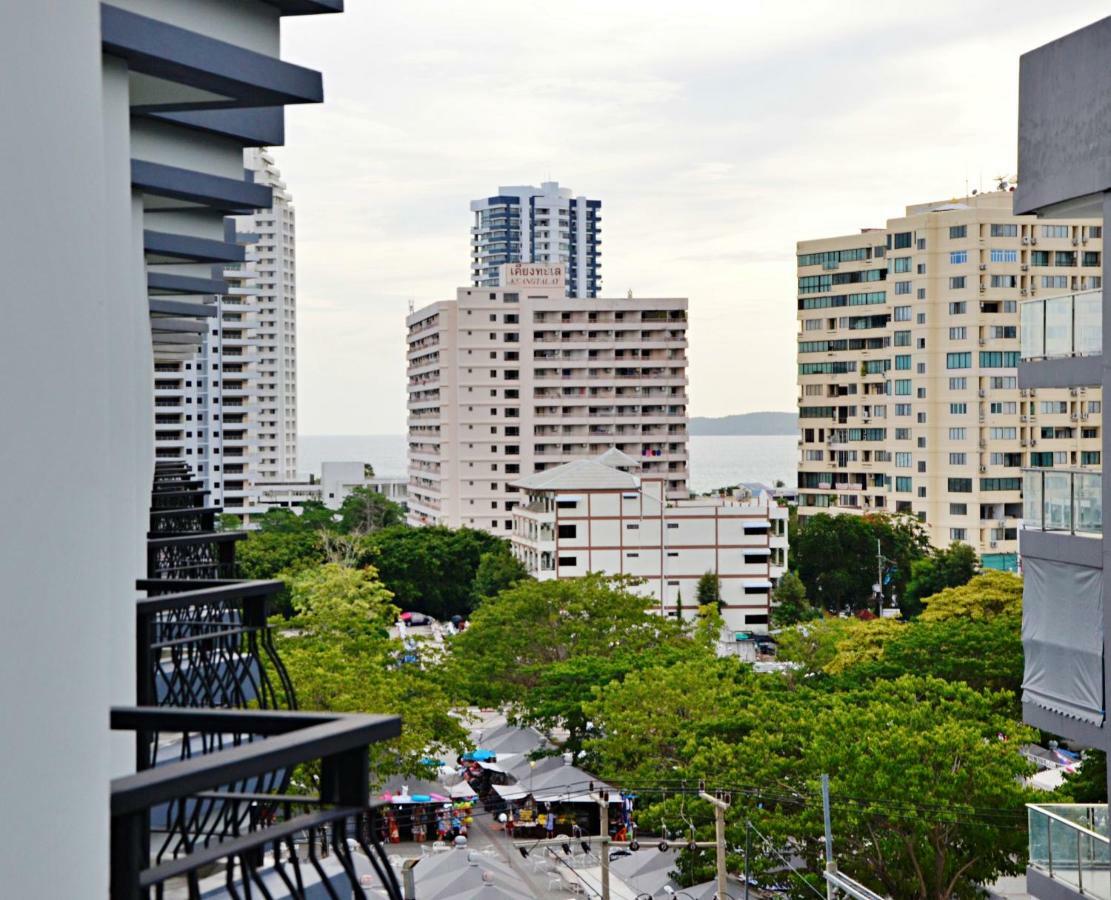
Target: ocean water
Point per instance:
(715, 460)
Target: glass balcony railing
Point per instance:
(1069, 843)
(1071, 325)
(1062, 500)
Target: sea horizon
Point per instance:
(716, 461)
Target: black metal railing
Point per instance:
(191, 520)
(209, 644)
(201, 555)
(259, 842)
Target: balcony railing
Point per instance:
(1069, 843)
(1062, 500)
(260, 843)
(1056, 327)
(209, 644)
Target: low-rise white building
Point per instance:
(336, 481)
(604, 515)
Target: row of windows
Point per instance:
(832, 301)
(835, 256)
(809, 284)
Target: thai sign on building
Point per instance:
(533, 275)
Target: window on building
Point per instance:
(1055, 231)
(568, 561)
(900, 264)
(958, 360)
(1004, 229)
(957, 434)
(958, 459)
(958, 334)
(956, 282)
(958, 307)
(957, 231)
(957, 257)
(1004, 256)
(568, 531)
(902, 314)
(959, 383)
(902, 287)
(960, 485)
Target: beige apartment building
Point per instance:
(908, 349)
(511, 380)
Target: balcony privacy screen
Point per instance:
(1062, 637)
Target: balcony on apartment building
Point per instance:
(210, 811)
(1070, 849)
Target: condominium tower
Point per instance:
(271, 255)
(907, 362)
(542, 224)
(511, 380)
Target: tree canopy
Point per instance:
(789, 603)
(913, 762)
(365, 510)
(340, 657)
(835, 556)
(542, 647)
(985, 596)
(941, 569)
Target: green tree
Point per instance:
(278, 553)
(950, 567)
(429, 570)
(340, 658)
(365, 510)
(708, 590)
(497, 571)
(912, 763)
(835, 556)
(985, 596)
(1088, 784)
(789, 604)
(514, 639)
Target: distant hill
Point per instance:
(747, 423)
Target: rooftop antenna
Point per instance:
(412, 304)
(630, 294)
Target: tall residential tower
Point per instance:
(512, 380)
(542, 224)
(271, 255)
(908, 350)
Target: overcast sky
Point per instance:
(716, 135)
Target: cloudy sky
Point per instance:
(716, 134)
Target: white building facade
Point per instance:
(545, 224)
(337, 480)
(271, 253)
(508, 381)
(603, 515)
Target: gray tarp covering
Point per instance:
(1062, 638)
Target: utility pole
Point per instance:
(879, 578)
(604, 817)
(720, 806)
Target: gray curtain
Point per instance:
(1062, 638)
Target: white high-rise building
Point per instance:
(271, 253)
(523, 223)
(508, 381)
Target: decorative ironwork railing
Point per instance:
(203, 555)
(260, 842)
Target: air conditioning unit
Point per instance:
(1033, 240)
(1072, 392)
(1084, 239)
(983, 267)
(983, 445)
(1033, 392)
(1022, 443)
(1002, 523)
(983, 469)
(1083, 390)
(1073, 417)
(983, 393)
(1026, 240)
(982, 342)
(1033, 442)
(1025, 268)
(983, 288)
(992, 544)
(1075, 241)
(1022, 418)
(1023, 292)
(1022, 392)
